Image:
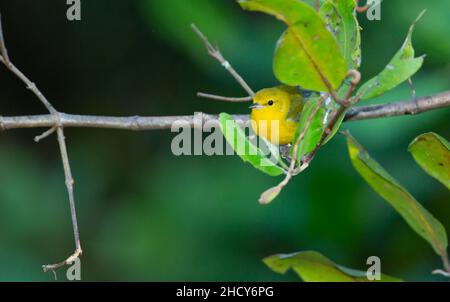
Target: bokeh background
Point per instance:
(147, 215)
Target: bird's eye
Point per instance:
(270, 103)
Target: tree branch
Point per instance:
(409, 107)
(141, 123)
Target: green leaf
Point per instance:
(432, 153)
(340, 17)
(312, 3)
(307, 54)
(318, 124)
(248, 152)
(315, 130)
(402, 67)
(418, 218)
(336, 127)
(314, 267)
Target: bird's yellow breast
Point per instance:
(276, 129)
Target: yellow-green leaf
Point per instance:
(339, 15)
(432, 153)
(248, 152)
(307, 54)
(316, 128)
(402, 66)
(417, 217)
(314, 267)
(318, 124)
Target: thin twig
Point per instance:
(30, 86)
(3, 50)
(68, 261)
(46, 134)
(215, 53)
(4, 58)
(69, 185)
(225, 98)
(441, 272)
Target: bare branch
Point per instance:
(409, 107)
(224, 98)
(216, 54)
(143, 123)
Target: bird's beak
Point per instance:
(256, 106)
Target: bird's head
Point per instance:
(274, 101)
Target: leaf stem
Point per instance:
(446, 262)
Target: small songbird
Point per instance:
(280, 107)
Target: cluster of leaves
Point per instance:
(316, 52)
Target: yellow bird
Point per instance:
(276, 113)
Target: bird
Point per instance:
(275, 113)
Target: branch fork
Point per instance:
(4, 58)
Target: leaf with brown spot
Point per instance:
(432, 153)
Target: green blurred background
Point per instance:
(147, 215)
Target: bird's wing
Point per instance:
(295, 108)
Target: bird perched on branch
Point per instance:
(276, 113)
